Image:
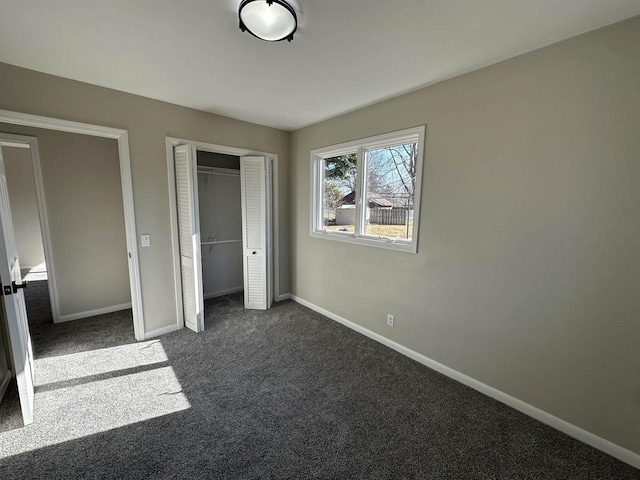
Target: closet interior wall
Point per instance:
(220, 206)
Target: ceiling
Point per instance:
(346, 53)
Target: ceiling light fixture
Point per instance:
(270, 20)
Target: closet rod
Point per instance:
(220, 241)
(208, 172)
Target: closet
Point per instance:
(220, 214)
(224, 213)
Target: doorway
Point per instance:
(220, 216)
(14, 310)
(82, 219)
(210, 230)
(30, 225)
(126, 191)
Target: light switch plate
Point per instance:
(145, 240)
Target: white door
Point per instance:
(15, 311)
(255, 188)
(189, 236)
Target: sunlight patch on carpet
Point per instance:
(78, 411)
(95, 362)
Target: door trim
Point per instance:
(171, 142)
(122, 136)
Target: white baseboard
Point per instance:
(30, 267)
(5, 383)
(578, 433)
(160, 331)
(284, 296)
(93, 313)
(220, 293)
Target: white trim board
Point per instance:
(283, 297)
(92, 313)
(578, 433)
(171, 142)
(160, 331)
(122, 137)
(220, 293)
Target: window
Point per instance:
(368, 191)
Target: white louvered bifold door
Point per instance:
(189, 236)
(253, 180)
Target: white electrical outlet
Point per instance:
(390, 319)
(145, 240)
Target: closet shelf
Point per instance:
(220, 241)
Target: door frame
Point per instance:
(171, 142)
(122, 137)
(31, 143)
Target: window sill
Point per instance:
(388, 244)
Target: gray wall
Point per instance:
(148, 123)
(24, 205)
(83, 190)
(528, 267)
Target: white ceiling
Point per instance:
(345, 55)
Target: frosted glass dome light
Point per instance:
(270, 20)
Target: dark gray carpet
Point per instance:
(285, 393)
(36, 297)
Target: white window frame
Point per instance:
(359, 147)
